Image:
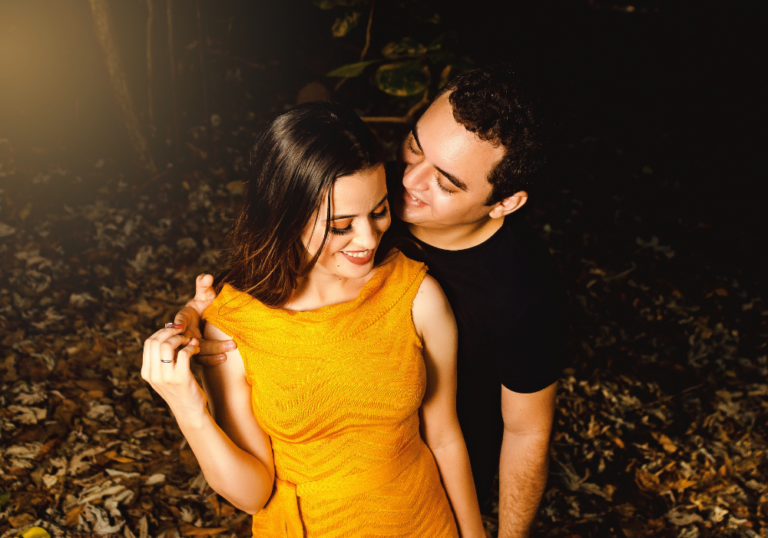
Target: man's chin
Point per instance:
(399, 211)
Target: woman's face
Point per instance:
(359, 217)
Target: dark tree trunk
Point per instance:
(102, 24)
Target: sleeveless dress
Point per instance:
(338, 390)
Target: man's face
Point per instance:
(445, 171)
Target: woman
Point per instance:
(345, 370)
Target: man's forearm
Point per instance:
(522, 477)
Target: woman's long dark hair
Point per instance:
(296, 159)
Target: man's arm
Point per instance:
(212, 352)
(524, 457)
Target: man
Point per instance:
(466, 170)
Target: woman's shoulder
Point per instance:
(397, 280)
(231, 302)
(398, 264)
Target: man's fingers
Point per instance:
(213, 352)
(190, 321)
(209, 360)
(181, 318)
(204, 288)
(216, 347)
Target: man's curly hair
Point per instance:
(489, 102)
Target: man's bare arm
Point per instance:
(212, 352)
(524, 458)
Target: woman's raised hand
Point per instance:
(166, 368)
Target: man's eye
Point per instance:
(448, 191)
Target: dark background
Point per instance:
(652, 204)
(682, 82)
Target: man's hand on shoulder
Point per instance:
(212, 352)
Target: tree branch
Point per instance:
(150, 105)
(104, 29)
(171, 58)
(400, 119)
(365, 48)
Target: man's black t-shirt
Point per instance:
(509, 303)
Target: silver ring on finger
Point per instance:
(165, 361)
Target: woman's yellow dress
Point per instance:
(338, 391)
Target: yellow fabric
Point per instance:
(338, 390)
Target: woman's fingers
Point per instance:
(174, 342)
(164, 334)
(145, 361)
(182, 359)
(152, 349)
(168, 351)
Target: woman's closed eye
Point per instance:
(340, 231)
(380, 214)
(377, 215)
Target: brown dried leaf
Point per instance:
(665, 442)
(191, 530)
(646, 481)
(21, 520)
(73, 515)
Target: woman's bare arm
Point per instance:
(229, 402)
(435, 324)
(237, 463)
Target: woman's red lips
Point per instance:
(359, 260)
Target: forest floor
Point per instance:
(662, 410)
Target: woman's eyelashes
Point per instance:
(344, 231)
(340, 231)
(380, 214)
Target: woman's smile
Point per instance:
(358, 257)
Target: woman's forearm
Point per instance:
(233, 473)
(453, 463)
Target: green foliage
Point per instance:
(406, 47)
(343, 25)
(330, 4)
(403, 79)
(408, 66)
(351, 70)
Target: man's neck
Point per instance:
(459, 237)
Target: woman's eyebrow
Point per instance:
(353, 216)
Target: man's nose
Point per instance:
(416, 176)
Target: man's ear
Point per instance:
(509, 205)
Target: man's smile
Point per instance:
(412, 200)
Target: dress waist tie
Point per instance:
(287, 494)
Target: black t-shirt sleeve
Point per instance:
(530, 356)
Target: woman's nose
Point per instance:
(367, 237)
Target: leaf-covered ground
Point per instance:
(662, 410)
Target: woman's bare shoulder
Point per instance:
(430, 307)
